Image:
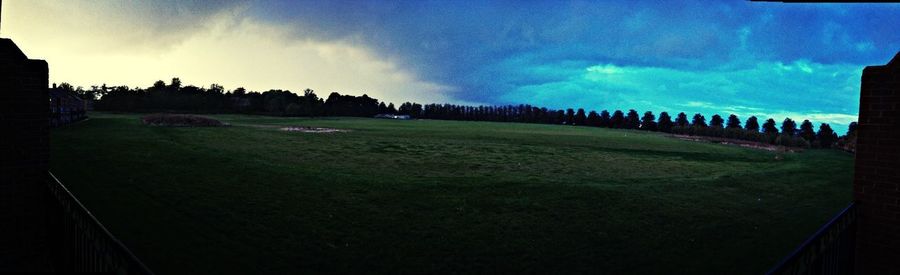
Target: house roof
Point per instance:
(893, 65)
(895, 62)
(10, 52)
(60, 93)
(11, 55)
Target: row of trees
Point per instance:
(176, 97)
(751, 130)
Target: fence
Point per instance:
(829, 251)
(84, 244)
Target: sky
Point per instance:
(802, 61)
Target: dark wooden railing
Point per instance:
(829, 251)
(84, 245)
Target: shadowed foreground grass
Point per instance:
(442, 197)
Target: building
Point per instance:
(43, 227)
(65, 107)
(24, 157)
(876, 187)
(864, 238)
(392, 116)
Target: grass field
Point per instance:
(442, 196)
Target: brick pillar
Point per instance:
(877, 176)
(24, 156)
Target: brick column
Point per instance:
(876, 186)
(24, 156)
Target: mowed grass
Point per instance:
(430, 196)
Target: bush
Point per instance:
(803, 143)
(735, 133)
(755, 136)
(180, 121)
(769, 138)
(293, 109)
(791, 141)
(784, 141)
(715, 131)
(696, 130)
(815, 144)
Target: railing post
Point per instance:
(93, 248)
(828, 251)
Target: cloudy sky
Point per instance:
(767, 59)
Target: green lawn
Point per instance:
(442, 197)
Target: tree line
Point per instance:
(769, 132)
(175, 97)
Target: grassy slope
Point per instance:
(425, 196)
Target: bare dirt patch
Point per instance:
(741, 143)
(307, 129)
(176, 120)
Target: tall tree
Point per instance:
(560, 117)
(716, 121)
(391, 109)
(665, 122)
(605, 120)
(733, 128)
(788, 127)
(618, 119)
(593, 119)
(405, 108)
(826, 136)
(311, 105)
(65, 86)
(851, 129)
(733, 122)
(632, 120)
(175, 84)
(699, 121)
(570, 116)
(769, 127)
(158, 85)
(807, 132)
(681, 120)
(648, 121)
(416, 110)
(580, 117)
(752, 125)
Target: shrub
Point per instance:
(754, 136)
(803, 143)
(769, 138)
(784, 141)
(791, 141)
(735, 133)
(715, 131)
(293, 109)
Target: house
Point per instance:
(65, 107)
(393, 116)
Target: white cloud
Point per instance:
(864, 46)
(605, 69)
(698, 104)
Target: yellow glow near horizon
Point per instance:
(92, 43)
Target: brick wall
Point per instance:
(877, 180)
(24, 155)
